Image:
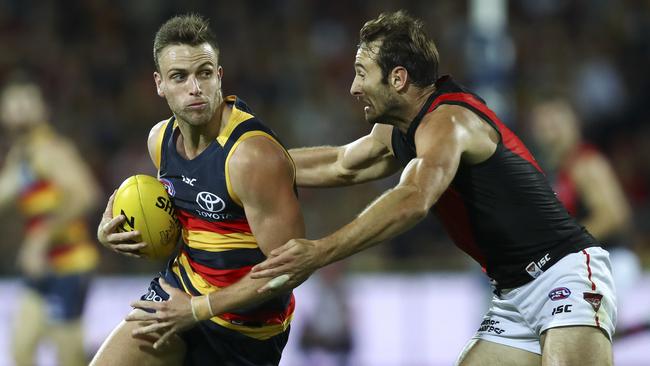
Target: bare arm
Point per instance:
(442, 139)
(365, 159)
(9, 179)
(440, 143)
(603, 196)
(262, 177)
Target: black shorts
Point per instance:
(64, 295)
(210, 344)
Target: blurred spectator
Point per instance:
(53, 190)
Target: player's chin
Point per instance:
(195, 118)
(372, 118)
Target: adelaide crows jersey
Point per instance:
(502, 212)
(72, 250)
(218, 247)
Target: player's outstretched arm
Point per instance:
(441, 140)
(365, 159)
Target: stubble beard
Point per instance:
(383, 115)
(202, 118)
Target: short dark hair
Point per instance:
(404, 43)
(190, 29)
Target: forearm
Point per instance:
(316, 166)
(394, 212)
(239, 295)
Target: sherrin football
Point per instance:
(143, 200)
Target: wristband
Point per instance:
(201, 307)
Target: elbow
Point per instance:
(419, 213)
(416, 205)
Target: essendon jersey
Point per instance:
(569, 194)
(218, 247)
(502, 212)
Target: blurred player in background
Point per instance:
(587, 185)
(53, 189)
(233, 188)
(554, 297)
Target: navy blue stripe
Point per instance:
(186, 281)
(229, 259)
(252, 124)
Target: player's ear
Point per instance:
(398, 77)
(158, 79)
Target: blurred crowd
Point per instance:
(291, 61)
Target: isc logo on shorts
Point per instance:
(559, 293)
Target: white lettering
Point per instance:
(189, 181)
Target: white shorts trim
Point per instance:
(577, 290)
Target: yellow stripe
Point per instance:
(243, 137)
(81, 258)
(74, 232)
(204, 287)
(177, 272)
(263, 332)
(236, 117)
(198, 282)
(41, 201)
(214, 242)
(161, 134)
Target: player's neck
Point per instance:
(412, 103)
(193, 140)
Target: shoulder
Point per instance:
(258, 166)
(590, 164)
(154, 141)
(52, 145)
(258, 152)
(449, 121)
(457, 126)
(157, 131)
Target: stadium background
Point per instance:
(292, 61)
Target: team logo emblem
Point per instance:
(559, 293)
(533, 270)
(594, 299)
(210, 202)
(169, 187)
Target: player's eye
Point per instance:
(177, 77)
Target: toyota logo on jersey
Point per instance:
(210, 202)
